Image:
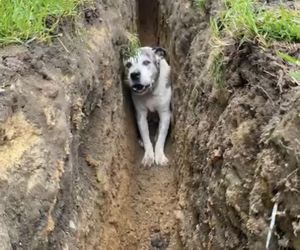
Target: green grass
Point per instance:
(217, 69)
(244, 19)
(130, 50)
(134, 44)
(201, 4)
(289, 59)
(23, 20)
(281, 24)
(294, 63)
(295, 75)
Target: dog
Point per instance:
(148, 76)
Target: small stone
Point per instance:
(72, 225)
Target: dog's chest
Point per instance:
(152, 104)
(156, 102)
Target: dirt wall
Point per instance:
(238, 144)
(51, 190)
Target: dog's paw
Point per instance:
(161, 159)
(148, 159)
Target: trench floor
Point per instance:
(152, 207)
(139, 207)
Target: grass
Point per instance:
(23, 20)
(289, 59)
(282, 24)
(294, 62)
(134, 44)
(200, 4)
(295, 75)
(217, 68)
(131, 49)
(244, 19)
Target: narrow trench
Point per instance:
(141, 214)
(147, 22)
(152, 199)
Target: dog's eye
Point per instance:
(128, 65)
(146, 62)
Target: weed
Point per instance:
(32, 19)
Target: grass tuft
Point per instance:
(23, 20)
(243, 19)
(200, 4)
(218, 68)
(131, 49)
(134, 44)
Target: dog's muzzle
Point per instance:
(139, 88)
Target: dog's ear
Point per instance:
(160, 52)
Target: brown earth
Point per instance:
(50, 199)
(138, 204)
(70, 174)
(238, 153)
(141, 210)
(70, 163)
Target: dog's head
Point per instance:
(143, 69)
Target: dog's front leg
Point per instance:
(142, 122)
(164, 123)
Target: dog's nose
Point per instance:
(135, 76)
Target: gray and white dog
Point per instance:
(148, 76)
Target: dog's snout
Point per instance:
(135, 76)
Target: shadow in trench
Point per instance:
(147, 22)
